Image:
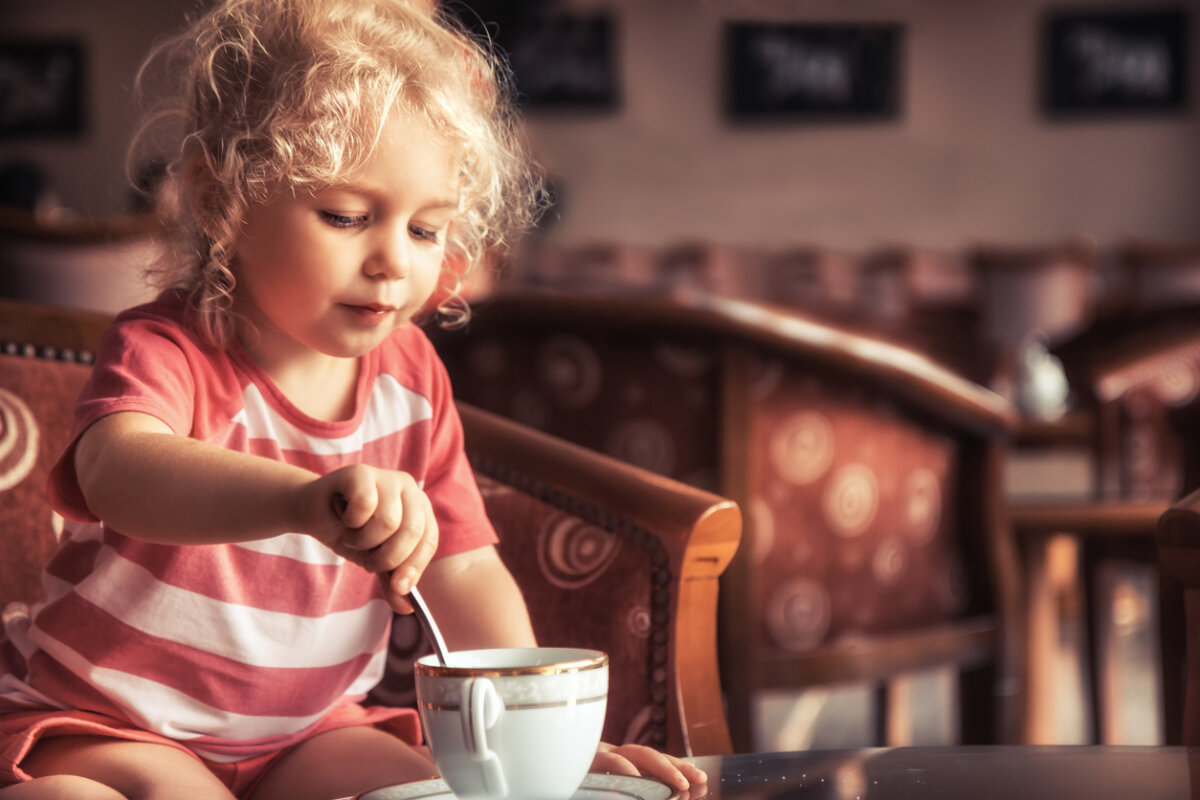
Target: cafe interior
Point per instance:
(912, 286)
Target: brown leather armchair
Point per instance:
(871, 479)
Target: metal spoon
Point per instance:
(420, 610)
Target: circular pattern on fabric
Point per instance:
(529, 408)
(18, 440)
(573, 553)
(801, 447)
(642, 727)
(487, 359)
(643, 442)
(798, 614)
(570, 367)
(767, 378)
(889, 561)
(638, 621)
(1178, 386)
(851, 499)
(922, 504)
(683, 361)
(761, 529)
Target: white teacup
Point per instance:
(520, 723)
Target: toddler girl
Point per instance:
(273, 432)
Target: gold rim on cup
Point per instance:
(597, 661)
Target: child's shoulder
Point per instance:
(168, 315)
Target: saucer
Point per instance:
(596, 786)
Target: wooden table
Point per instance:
(980, 773)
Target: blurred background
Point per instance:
(970, 153)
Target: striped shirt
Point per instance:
(234, 648)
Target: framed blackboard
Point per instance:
(1115, 61)
(561, 58)
(813, 72)
(41, 88)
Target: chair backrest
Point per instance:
(870, 476)
(608, 556)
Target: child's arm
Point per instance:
(476, 602)
(150, 483)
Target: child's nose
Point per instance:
(391, 258)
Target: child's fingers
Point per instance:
(398, 602)
(633, 759)
(406, 555)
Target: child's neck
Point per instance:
(323, 387)
(325, 392)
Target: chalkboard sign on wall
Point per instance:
(812, 72)
(1114, 61)
(560, 58)
(41, 88)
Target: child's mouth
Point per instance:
(370, 312)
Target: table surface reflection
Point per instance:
(980, 773)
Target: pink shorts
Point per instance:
(21, 730)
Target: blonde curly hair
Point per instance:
(295, 93)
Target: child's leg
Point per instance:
(60, 787)
(135, 770)
(341, 763)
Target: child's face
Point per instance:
(336, 271)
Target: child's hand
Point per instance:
(636, 759)
(379, 519)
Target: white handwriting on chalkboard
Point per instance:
(796, 68)
(32, 93)
(1140, 67)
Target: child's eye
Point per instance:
(430, 235)
(343, 220)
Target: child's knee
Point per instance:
(60, 787)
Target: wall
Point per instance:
(969, 159)
(87, 172)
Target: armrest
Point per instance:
(25, 323)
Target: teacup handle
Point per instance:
(481, 709)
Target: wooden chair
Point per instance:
(1178, 542)
(870, 477)
(1137, 380)
(608, 556)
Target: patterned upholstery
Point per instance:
(37, 392)
(866, 502)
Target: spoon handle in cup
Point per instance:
(415, 599)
